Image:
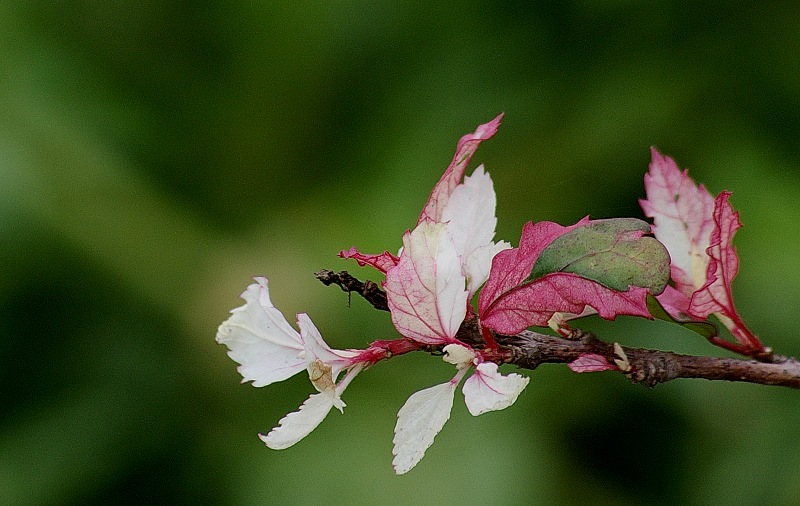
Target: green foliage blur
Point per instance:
(155, 155)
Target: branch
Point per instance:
(648, 367)
(369, 290)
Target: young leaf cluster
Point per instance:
(678, 269)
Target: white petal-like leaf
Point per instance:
(298, 424)
(479, 263)
(470, 212)
(419, 420)
(488, 390)
(260, 339)
(317, 349)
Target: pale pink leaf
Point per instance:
(488, 390)
(535, 302)
(716, 296)
(418, 421)
(297, 425)
(591, 362)
(681, 212)
(383, 262)
(452, 176)
(425, 291)
(260, 339)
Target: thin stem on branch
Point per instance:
(648, 367)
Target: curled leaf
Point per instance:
(383, 262)
(616, 253)
(716, 295)
(452, 176)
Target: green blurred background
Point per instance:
(155, 155)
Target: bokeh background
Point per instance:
(155, 155)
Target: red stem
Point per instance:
(488, 338)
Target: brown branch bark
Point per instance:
(648, 367)
(368, 289)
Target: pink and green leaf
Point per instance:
(534, 303)
(512, 266)
(617, 253)
(521, 292)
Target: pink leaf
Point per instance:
(452, 176)
(382, 262)
(716, 296)
(591, 362)
(534, 303)
(674, 302)
(681, 212)
(508, 304)
(425, 291)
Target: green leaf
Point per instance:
(616, 253)
(705, 329)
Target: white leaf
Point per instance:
(471, 221)
(298, 424)
(419, 420)
(470, 212)
(260, 339)
(488, 390)
(318, 350)
(479, 263)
